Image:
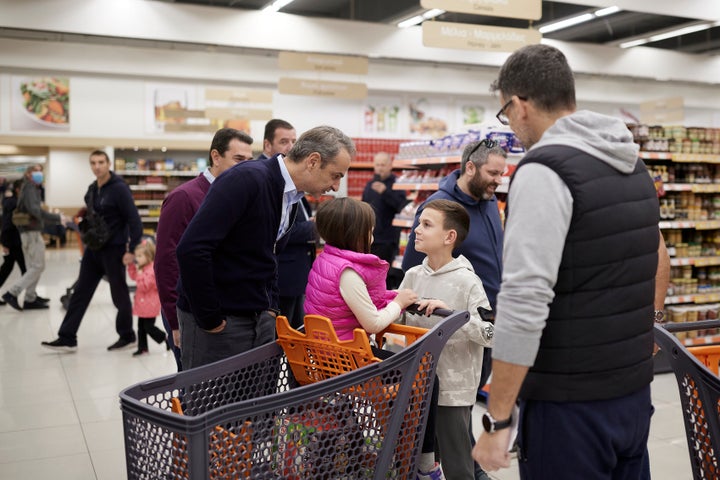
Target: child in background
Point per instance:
(347, 285)
(452, 284)
(147, 302)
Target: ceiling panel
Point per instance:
(609, 29)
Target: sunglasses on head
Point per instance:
(483, 143)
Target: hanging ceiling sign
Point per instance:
(322, 88)
(477, 37)
(666, 110)
(526, 9)
(239, 95)
(323, 63)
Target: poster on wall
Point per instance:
(381, 117)
(470, 114)
(169, 107)
(40, 103)
(174, 108)
(428, 117)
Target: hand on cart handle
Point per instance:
(429, 305)
(419, 309)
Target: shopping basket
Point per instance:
(247, 417)
(699, 394)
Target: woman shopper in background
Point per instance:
(10, 236)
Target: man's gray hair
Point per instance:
(325, 140)
(478, 155)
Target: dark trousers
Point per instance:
(597, 440)
(294, 309)
(200, 347)
(95, 265)
(15, 255)
(146, 326)
(171, 342)
(388, 251)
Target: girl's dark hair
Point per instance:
(346, 223)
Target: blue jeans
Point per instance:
(594, 440)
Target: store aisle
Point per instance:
(60, 416)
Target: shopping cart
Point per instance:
(696, 370)
(247, 417)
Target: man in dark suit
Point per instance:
(295, 261)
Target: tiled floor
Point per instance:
(60, 415)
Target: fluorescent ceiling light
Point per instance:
(277, 5)
(420, 18)
(634, 43)
(568, 22)
(582, 18)
(607, 11)
(680, 31)
(669, 34)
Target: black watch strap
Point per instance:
(491, 425)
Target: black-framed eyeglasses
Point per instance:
(502, 118)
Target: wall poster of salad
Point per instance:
(40, 103)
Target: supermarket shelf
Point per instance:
(697, 261)
(415, 186)
(403, 222)
(140, 203)
(512, 159)
(692, 187)
(695, 298)
(410, 162)
(655, 155)
(158, 187)
(159, 173)
(695, 157)
(697, 225)
(681, 157)
(361, 165)
(709, 340)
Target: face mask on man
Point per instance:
(37, 177)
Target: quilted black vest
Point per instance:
(598, 340)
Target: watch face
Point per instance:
(487, 423)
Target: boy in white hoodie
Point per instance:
(451, 283)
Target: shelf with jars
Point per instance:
(152, 174)
(685, 163)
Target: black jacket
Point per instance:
(115, 204)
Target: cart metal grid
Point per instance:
(246, 417)
(699, 395)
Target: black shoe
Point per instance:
(42, 299)
(2, 303)
(12, 300)
(137, 353)
(61, 345)
(34, 305)
(121, 343)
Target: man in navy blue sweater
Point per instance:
(227, 293)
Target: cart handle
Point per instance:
(689, 326)
(441, 312)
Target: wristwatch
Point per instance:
(659, 316)
(490, 425)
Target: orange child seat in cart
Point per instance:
(318, 354)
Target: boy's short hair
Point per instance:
(346, 223)
(455, 217)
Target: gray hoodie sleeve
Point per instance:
(540, 211)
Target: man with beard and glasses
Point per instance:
(473, 186)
